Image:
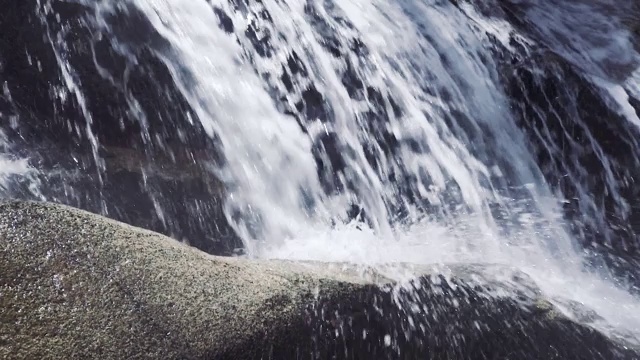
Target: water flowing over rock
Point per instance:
(365, 131)
(75, 285)
(105, 124)
(567, 97)
(81, 81)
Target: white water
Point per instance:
(276, 201)
(12, 168)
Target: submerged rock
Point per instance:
(76, 285)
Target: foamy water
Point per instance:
(13, 168)
(562, 280)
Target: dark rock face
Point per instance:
(370, 325)
(586, 149)
(80, 103)
(77, 285)
(583, 147)
(61, 75)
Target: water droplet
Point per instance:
(387, 340)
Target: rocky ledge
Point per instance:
(76, 285)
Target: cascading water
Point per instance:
(378, 132)
(270, 160)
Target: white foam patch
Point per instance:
(563, 281)
(11, 168)
(619, 94)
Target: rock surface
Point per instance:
(76, 285)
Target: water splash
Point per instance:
(460, 167)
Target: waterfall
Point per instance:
(277, 193)
(377, 132)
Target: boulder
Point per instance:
(77, 285)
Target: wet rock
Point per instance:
(67, 78)
(580, 140)
(260, 38)
(584, 146)
(76, 285)
(98, 114)
(226, 23)
(177, 196)
(312, 105)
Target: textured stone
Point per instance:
(76, 285)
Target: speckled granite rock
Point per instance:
(74, 285)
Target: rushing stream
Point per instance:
(366, 131)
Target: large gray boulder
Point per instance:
(76, 285)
